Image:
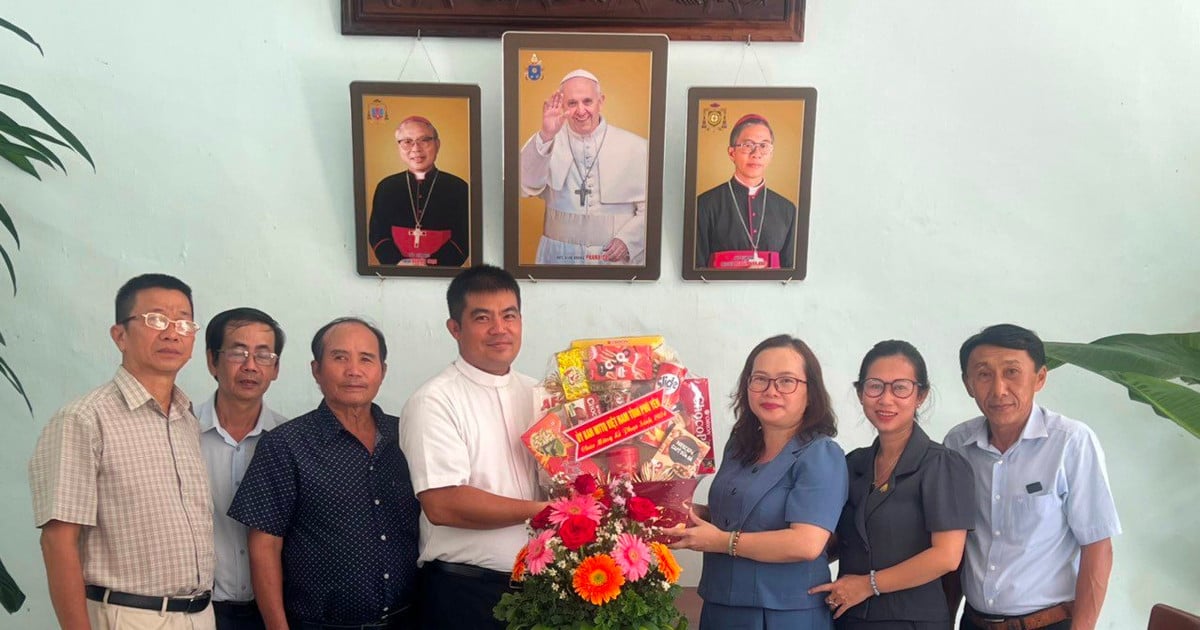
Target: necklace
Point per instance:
(583, 190)
(882, 485)
(418, 217)
(753, 240)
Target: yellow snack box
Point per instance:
(572, 374)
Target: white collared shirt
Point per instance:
(1038, 502)
(464, 427)
(226, 461)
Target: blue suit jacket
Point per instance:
(805, 483)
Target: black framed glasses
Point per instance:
(901, 388)
(238, 356)
(783, 384)
(408, 143)
(158, 321)
(749, 147)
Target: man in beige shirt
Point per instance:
(119, 486)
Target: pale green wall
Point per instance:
(975, 162)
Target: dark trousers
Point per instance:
(402, 620)
(855, 624)
(452, 601)
(237, 616)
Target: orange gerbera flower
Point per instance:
(598, 579)
(518, 570)
(667, 565)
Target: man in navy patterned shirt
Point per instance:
(329, 502)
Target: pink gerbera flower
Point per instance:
(579, 505)
(538, 553)
(632, 555)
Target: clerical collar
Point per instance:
(596, 133)
(430, 173)
(753, 190)
(479, 377)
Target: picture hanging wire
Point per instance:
(417, 42)
(737, 78)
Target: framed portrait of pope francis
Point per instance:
(748, 183)
(583, 155)
(417, 182)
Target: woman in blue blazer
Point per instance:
(775, 499)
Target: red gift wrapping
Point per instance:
(674, 497)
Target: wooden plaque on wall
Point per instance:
(719, 20)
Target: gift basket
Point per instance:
(623, 434)
(626, 407)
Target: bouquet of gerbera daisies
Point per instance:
(594, 561)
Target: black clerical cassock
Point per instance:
(421, 209)
(729, 219)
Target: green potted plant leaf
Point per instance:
(1159, 370)
(25, 147)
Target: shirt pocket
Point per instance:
(1032, 517)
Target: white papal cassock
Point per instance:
(588, 203)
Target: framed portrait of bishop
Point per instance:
(748, 183)
(417, 182)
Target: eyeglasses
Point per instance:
(424, 142)
(238, 356)
(901, 388)
(783, 384)
(158, 321)
(749, 147)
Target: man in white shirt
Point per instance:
(1041, 551)
(592, 176)
(243, 347)
(476, 482)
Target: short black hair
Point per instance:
(127, 294)
(481, 278)
(214, 333)
(894, 348)
(318, 341)
(1008, 336)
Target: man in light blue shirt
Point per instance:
(243, 346)
(1041, 551)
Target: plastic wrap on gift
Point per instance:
(608, 406)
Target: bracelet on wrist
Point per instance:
(874, 585)
(734, 537)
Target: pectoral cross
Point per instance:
(583, 193)
(416, 234)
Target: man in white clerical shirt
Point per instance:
(243, 346)
(592, 176)
(476, 482)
